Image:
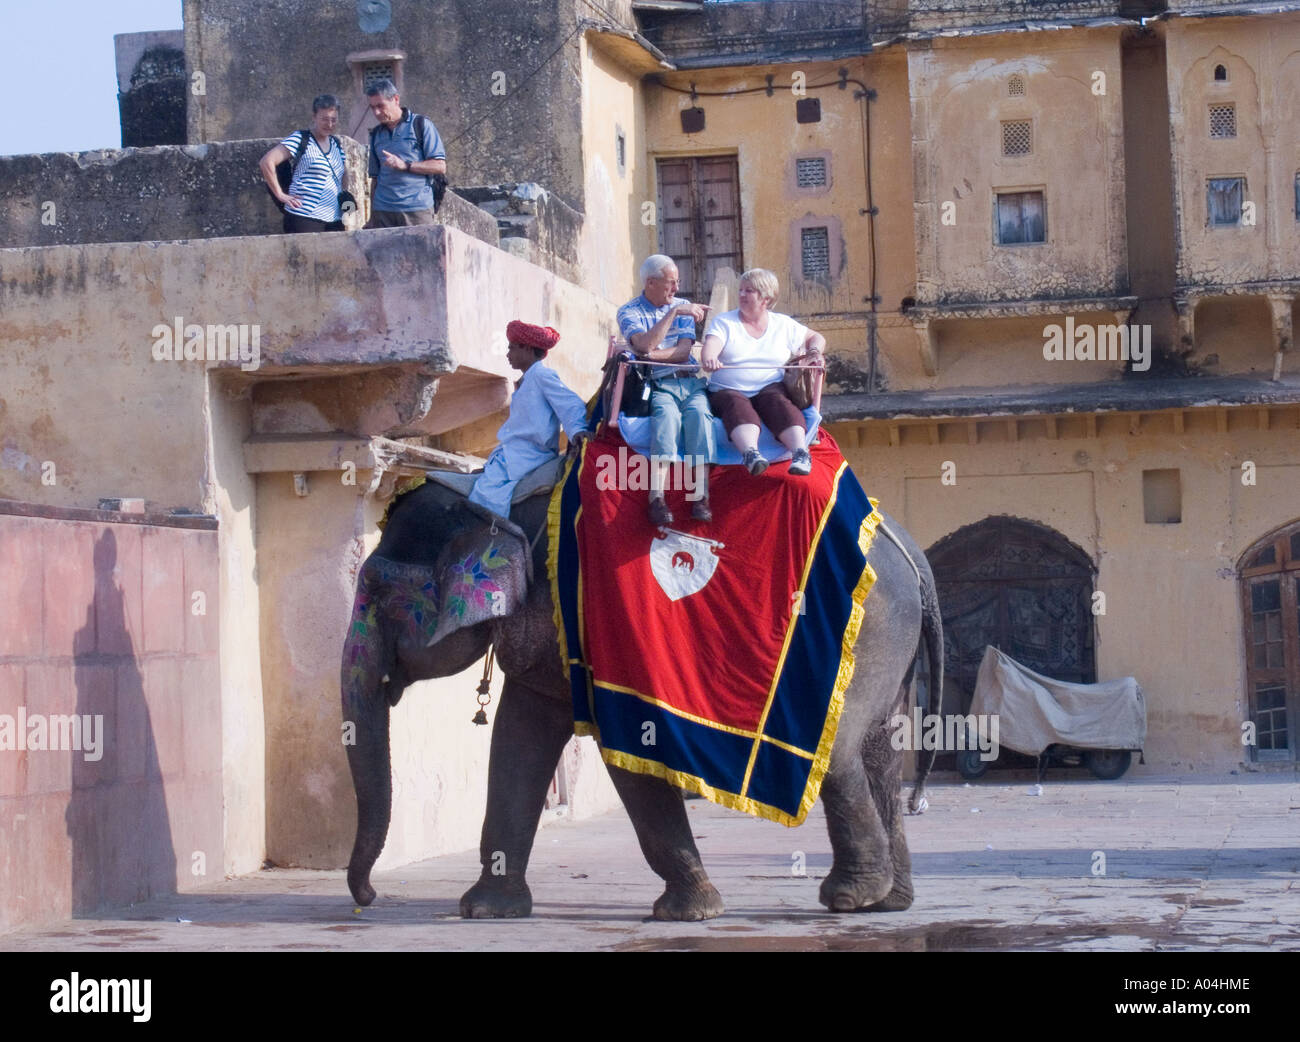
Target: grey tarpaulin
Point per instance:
(1035, 711)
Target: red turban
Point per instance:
(526, 335)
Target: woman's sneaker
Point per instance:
(754, 462)
(800, 462)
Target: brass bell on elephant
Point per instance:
(480, 717)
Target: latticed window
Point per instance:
(815, 250)
(373, 72)
(1017, 138)
(1223, 121)
(1270, 579)
(810, 172)
(1016, 86)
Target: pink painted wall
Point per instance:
(97, 618)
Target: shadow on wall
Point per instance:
(117, 815)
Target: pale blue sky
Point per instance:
(58, 78)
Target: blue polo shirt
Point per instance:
(396, 190)
(638, 316)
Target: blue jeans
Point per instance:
(680, 420)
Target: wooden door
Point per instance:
(1025, 589)
(1270, 594)
(699, 219)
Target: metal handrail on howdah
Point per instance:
(684, 365)
(617, 391)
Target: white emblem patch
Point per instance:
(682, 564)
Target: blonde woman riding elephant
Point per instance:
(871, 868)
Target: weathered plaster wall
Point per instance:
(1148, 187)
(613, 236)
(1235, 333)
(140, 194)
(1263, 67)
(261, 73)
(752, 33)
(1173, 615)
(100, 625)
(1001, 352)
(960, 98)
(947, 14)
(230, 496)
(763, 133)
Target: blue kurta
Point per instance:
(541, 405)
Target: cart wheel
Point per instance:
(1107, 764)
(969, 764)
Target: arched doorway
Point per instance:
(1022, 587)
(1270, 592)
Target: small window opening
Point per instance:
(1162, 497)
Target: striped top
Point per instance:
(318, 179)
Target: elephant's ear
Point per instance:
(482, 575)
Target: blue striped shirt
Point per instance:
(318, 179)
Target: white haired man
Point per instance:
(661, 328)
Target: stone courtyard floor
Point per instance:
(1190, 864)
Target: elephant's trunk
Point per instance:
(365, 735)
(372, 775)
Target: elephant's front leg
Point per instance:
(659, 816)
(529, 735)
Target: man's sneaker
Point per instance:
(800, 462)
(659, 512)
(754, 462)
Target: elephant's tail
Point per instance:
(932, 638)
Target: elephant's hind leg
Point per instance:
(658, 814)
(528, 737)
(862, 872)
(884, 763)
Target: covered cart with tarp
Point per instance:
(1098, 725)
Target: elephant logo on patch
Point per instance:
(682, 564)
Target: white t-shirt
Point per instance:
(783, 340)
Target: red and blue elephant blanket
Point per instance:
(713, 656)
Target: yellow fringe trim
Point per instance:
(553, 567)
(821, 759)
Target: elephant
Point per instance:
(871, 867)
